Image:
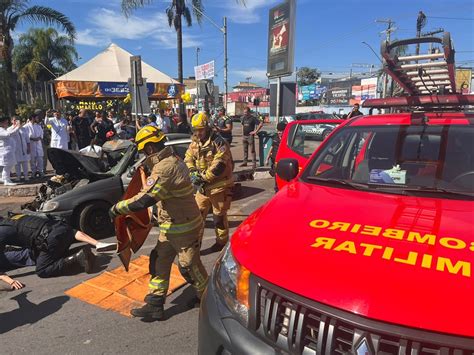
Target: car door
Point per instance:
(301, 139)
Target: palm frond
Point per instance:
(198, 10)
(170, 14)
(48, 16)
(187, 16)
(128, 6)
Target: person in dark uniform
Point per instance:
(250, 128)
(223, 125)
(47, 241)
(276, 140)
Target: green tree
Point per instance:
(307, 76)
(12, 13)
(176, 11)
(41, 54)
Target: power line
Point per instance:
(452, 18)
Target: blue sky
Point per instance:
(328, 32)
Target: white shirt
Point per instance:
(7, 147)
(59, 132)
(35, 131)
(22, 140)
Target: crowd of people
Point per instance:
(23, 144)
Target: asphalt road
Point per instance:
(41, 319)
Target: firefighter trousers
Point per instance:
(220, 203)
(186, 247)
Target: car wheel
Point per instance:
(326, 133)
(94, 220)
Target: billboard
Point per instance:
(463, 81)
(340, 93)
(366, 90)
(204, 71)
(281, 29)
(248, 96)
(311, 92)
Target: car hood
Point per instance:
(293, 242)
(78, 166)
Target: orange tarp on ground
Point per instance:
(120, 291)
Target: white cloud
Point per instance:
(108, 25)
(89, 37)
(257, 74)
(248, 13)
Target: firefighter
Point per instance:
(168, 185)
(210, 163)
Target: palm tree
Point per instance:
(41, 54)
(13, 12)
(176, 10)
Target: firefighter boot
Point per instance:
(152, 310)
(84, 258)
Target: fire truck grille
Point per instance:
(294, 325)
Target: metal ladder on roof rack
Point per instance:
(422, 74)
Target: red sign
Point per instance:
(248, 96)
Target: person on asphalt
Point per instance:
(47, 241)
(210, 163)
(59, 130)
(250, 128)
(223, 125)
(169, 187)
(276, 140)
(81, 125)
(7, 149)
(35, 135)
(355, 112)
(22, 149)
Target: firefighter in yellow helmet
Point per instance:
(210, 162)
(169, 187)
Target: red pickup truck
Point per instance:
(368, 250)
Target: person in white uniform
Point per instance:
(7, 150)
(35, 135)
(59, 130)
(22, 149)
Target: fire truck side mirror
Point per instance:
(287, 169)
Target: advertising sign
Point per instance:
(281, 39)
(311, 92)
(205, 71)
(248, 96)
(339, 93)
(463, 81)
(366, 90)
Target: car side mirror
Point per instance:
(287, 169)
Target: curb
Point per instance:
(20, 191)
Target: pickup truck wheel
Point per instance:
(94, 220)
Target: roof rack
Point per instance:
(422, 101)
(422, 74)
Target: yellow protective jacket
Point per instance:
(213, 161)
(169, 187)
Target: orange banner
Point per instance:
(77, 89)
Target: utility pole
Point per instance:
(420, 23)
(224, 31)
(431, 33)
(388, 33)
(197, 81)
(226, 68)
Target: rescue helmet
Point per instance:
(200, 120)
(148, 134)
